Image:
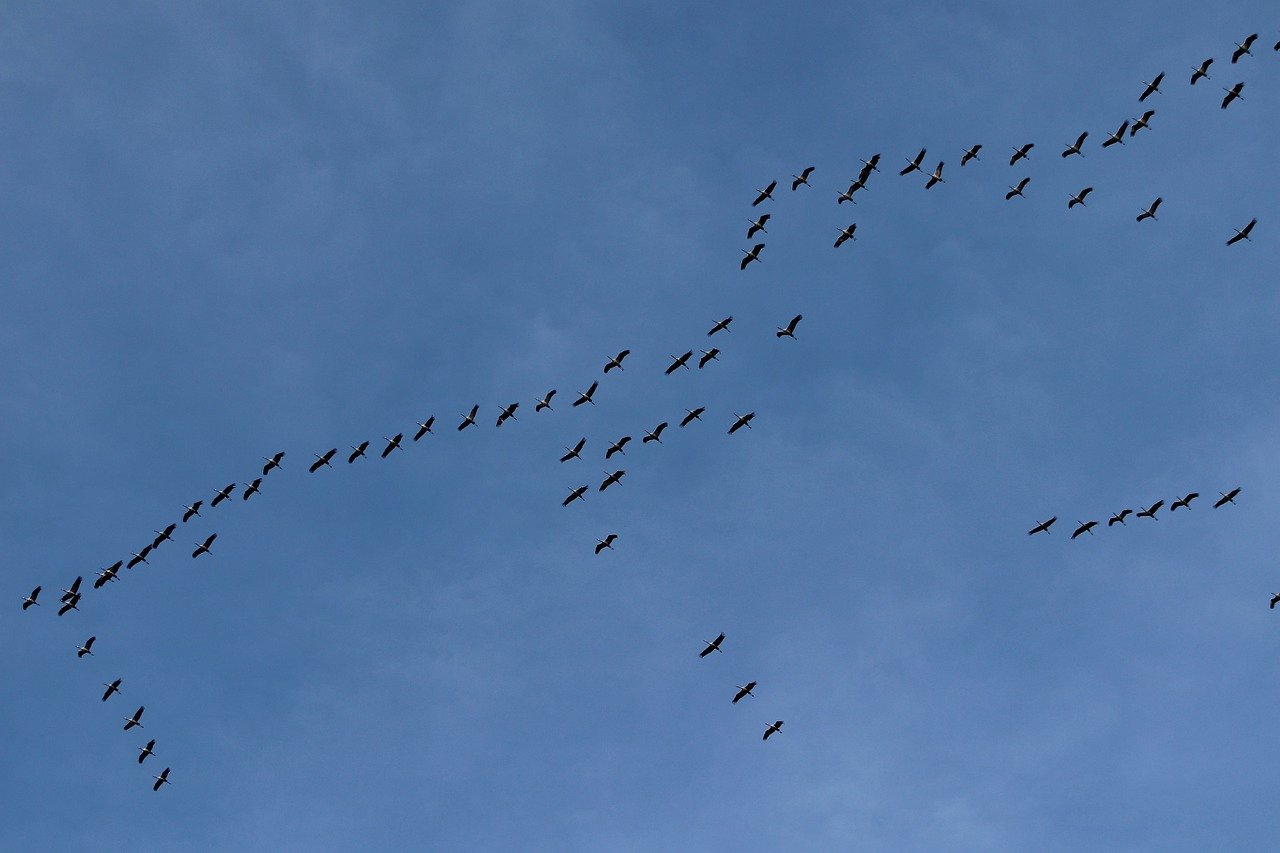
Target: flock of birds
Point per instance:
(71, 595)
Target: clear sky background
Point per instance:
(232, 229)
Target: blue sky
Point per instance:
(237, 229)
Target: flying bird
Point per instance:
(1140, 123)
(753, 255)
(616, 361)
(139, 557)
(744, 690)
(585, 396)
(1202, 71)
(251, 489)
(545, 402)
(1079, 144)
(1021, 153)
(394, 441)
(424, 427)
(765, 193)
(223, 495)
(469, 419)
(69, 603)
(147, 751)
(507, 413)
(722, 326)
(1085, 527)
(322, 460)
(848, 194)
(1184, 501)
(113, 687)
(1150, 512)
(789, 331)
(203, 547)
(1017, 191)
(713, 646)
(108, 574)
(1242, 48)
(869, 166)
(846, 234)
(617, 446)
(74, 589)
(742, 421)
(655, 434)
(191, 511)
(1042, 526)
(575, 451)
(678, 362)
(135, 720)
(161, 780)
(86, 648)
(971, 154)
(936, 177)
(692, 415)
(575, 495)
(1275, 598)
(272, 462)
(1228, 498)
(914, 165)
(610, 479)
(800, 179)
(1151, 88)
(773, 729)
(1242, 233)
(1118, 136)
(165, 535)
(357, 452)
(606, 542)
(1150, 212)
(1079, 198)
(1119, 517)
(708, 356)
(30, 600)
(1232, 94)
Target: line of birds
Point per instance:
(743, 690)
(1147, 512)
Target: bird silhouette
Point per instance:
(712, 646)
(1227, 498)
(575, 451)
(1152, 87)
(323, 460)
(753, 255)
(606, 542)
(1042, 526)
(1202, 71)
(586, 396)
(766, 193)
(801, 179)
(1242, 233)
(971, 154)
(1017, 190)
(789, 331)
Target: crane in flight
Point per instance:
(801, 179)
(757, 226)
(606, 542)
(744, 690)
(1242, 233)
(617, 360)
(1118, 136)
(1139, 123)
(165, 535)
(139, 557)
(677, 362)
(1079, 198)
(1232, 94)
(1017, 190)
(1085, 527)
(272, 462)
(1150, 212)
(610, 479)
(1022, 153)
(469, 419)
(147, 751)
(742, 421)
(753, 255)
(574, 452)
(1152, 87)
(936, 177)
(323, 460)
(1202, 72)
(254, 488)
(1076, 148)
(692, 415)
(113, 687)
(773, 729)
(914, 165)
(848, 194)
(1042, 526)
(766, 193)
(424, 427)
(655, 434)
(1150, 512)
(394, 441)
(846, 234)
(1119, 517)
(712, 646)
(357, 451)
(507, 414)
(708, 356)
(617, 446)
(789, 331)
(1227, 497)
(1242, 48)
(105, 576)
(86, 648)
(1184, 501)
(869, 166)
(161, 780)
(575, 495)
(191, 511)
(135, 720)
(74, 589)
(586, 396)
(31, 599)
(203, 547)
(722, 326)
(971, 154)
(223, 495)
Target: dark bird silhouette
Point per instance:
(914, 165)
(1202, 71)
(585, 396)
(1017, 190)
(1079, 198)
(254, 488)
(69, 604)
(135, 720)
(708, 356)
(617, 447)
(1275, 598)
(1118, 136)
(655, 434)
(322, 460)
(139, 557)
(1150, 212)
(424, 427)
(113, 687)
(147, 751)
(742, 421)
(801, 179)
(1232, 94)
(203, 547)
(1242, 233)
(606, 542)
(1141, 122)
(869, 166)
(223, 495)
(1119, 517)
(713, 646)
(575, 451)
(1076, 148)
(469, 419)
(74, 589)
(31, 599)
(1227, 498)
(692, 415)
(773, 729)
(107, 575)
(848, 194)
(846, 234)
(357, 452)
(575, 495)
(1085, 527)
(757, 226)
(1151, 88)
(1150, 512)
(161, 780)
(971, 154)
(936, 177)
(617, 360)
(86, 648)
(191, 511)
(1184, 501)
(753, 255)
(1021, 153)
(789, 331)
(272, 462)
(507, 414)
(765, 193)
(1042, 526)
(744, 690)
(394, 441)
(610, 479)
(722, 326)
(678, 362)
(1242, 48)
